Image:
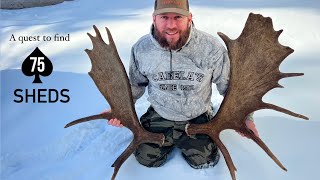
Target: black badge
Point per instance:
(37, 64)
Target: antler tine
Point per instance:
(283, 110)
(258, 141)
(288, 51)
(107, 115)
(226, 155)
(91, 37)
(123, 157)
(285, 75)
(89, 52)
(97, 32)
(279, 85)
(225, 38)
(278, 33)
(111, 41)
(137, 140)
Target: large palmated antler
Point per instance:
(110, 77)
(255, 57)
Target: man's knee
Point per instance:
(202, 160)
(150, 156)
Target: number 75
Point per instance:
(37, 61)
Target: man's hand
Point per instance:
(113, 122)
(250, 124)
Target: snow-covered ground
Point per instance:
(34, 144)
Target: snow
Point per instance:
(34, 144)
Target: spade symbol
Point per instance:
(37, 64)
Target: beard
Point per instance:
(160, 37)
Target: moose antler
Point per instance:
(255, 59)
(110, 77)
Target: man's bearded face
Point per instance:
(171, 30)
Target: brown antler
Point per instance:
(109, 75)
(255, 57)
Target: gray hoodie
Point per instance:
(179, 81)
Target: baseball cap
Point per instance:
(174, 6)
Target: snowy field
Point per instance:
(35, 146)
